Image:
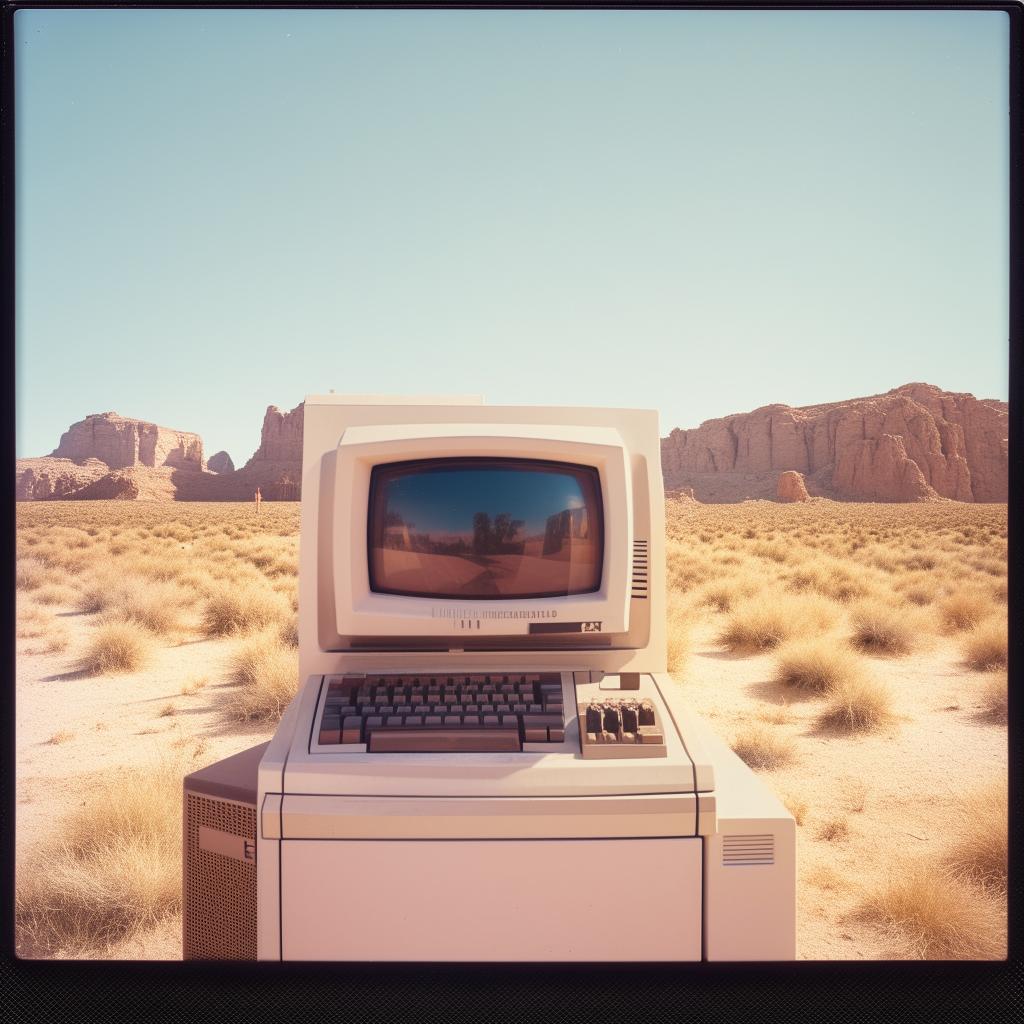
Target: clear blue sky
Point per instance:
(697, 211)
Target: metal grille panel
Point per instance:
(639, 584)
(219, 906)
(742, 851)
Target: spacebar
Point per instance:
(441, 740)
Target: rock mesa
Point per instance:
(914, 443)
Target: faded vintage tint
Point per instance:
(485, 528)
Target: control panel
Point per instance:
(618, 718)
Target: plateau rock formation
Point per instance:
(220, 462)
(791, 486)
(40, 479)
(914, 443)
(122, 443)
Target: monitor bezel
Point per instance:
(362, 615)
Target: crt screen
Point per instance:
(485, 528)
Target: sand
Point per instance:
(907, 779)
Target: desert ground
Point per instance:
(853, 654)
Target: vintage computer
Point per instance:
(486, 759)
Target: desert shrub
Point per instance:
(112, 869)
(194, 685)
(993, 697)
(928, 913)
(979, 851)
(33, 621)
(99, 592)
(773, 551)
(763, 622)
(881, 628)
(31, 573)
(117, 646)
(985, 646)
(797, 806)
(156, 605)
(964, 609)
(832, 829)
(720, 595)
(267, 674)
(242, 609)
(817, 664)
(56, 594)
(858, 703)
(763, 749)
(776, 714)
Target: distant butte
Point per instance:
(914, 443)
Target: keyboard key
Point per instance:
(556, 735)
(443, 740)
(432, 720)
(542, 721)
(535, 735)
(491, 721)
(452, 720)
(471, 720)
(351, 729)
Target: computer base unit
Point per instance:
(489, 856)
(219, 859)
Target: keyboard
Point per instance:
(441, 713)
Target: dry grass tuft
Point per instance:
(964, 609)
(858, 704)
(33, 621)
(985, 646)
(994, 697)
(243, 609)
(112, 869)
(762, 623)
(833, 829)
(797, 806)
(776, 714)
(267, 674)
(763, 749)
(881, 628)
(980, 850)
(59, 737)
(194, 685)
(116, 646)
(817, 665)
(31, 573)
(927, 913)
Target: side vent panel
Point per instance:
(639, 583)
(743, 851)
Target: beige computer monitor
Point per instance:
(346, 623)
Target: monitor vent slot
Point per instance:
(742, 851)
(639, 582)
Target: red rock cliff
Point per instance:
(913, 443)
(124, 443)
